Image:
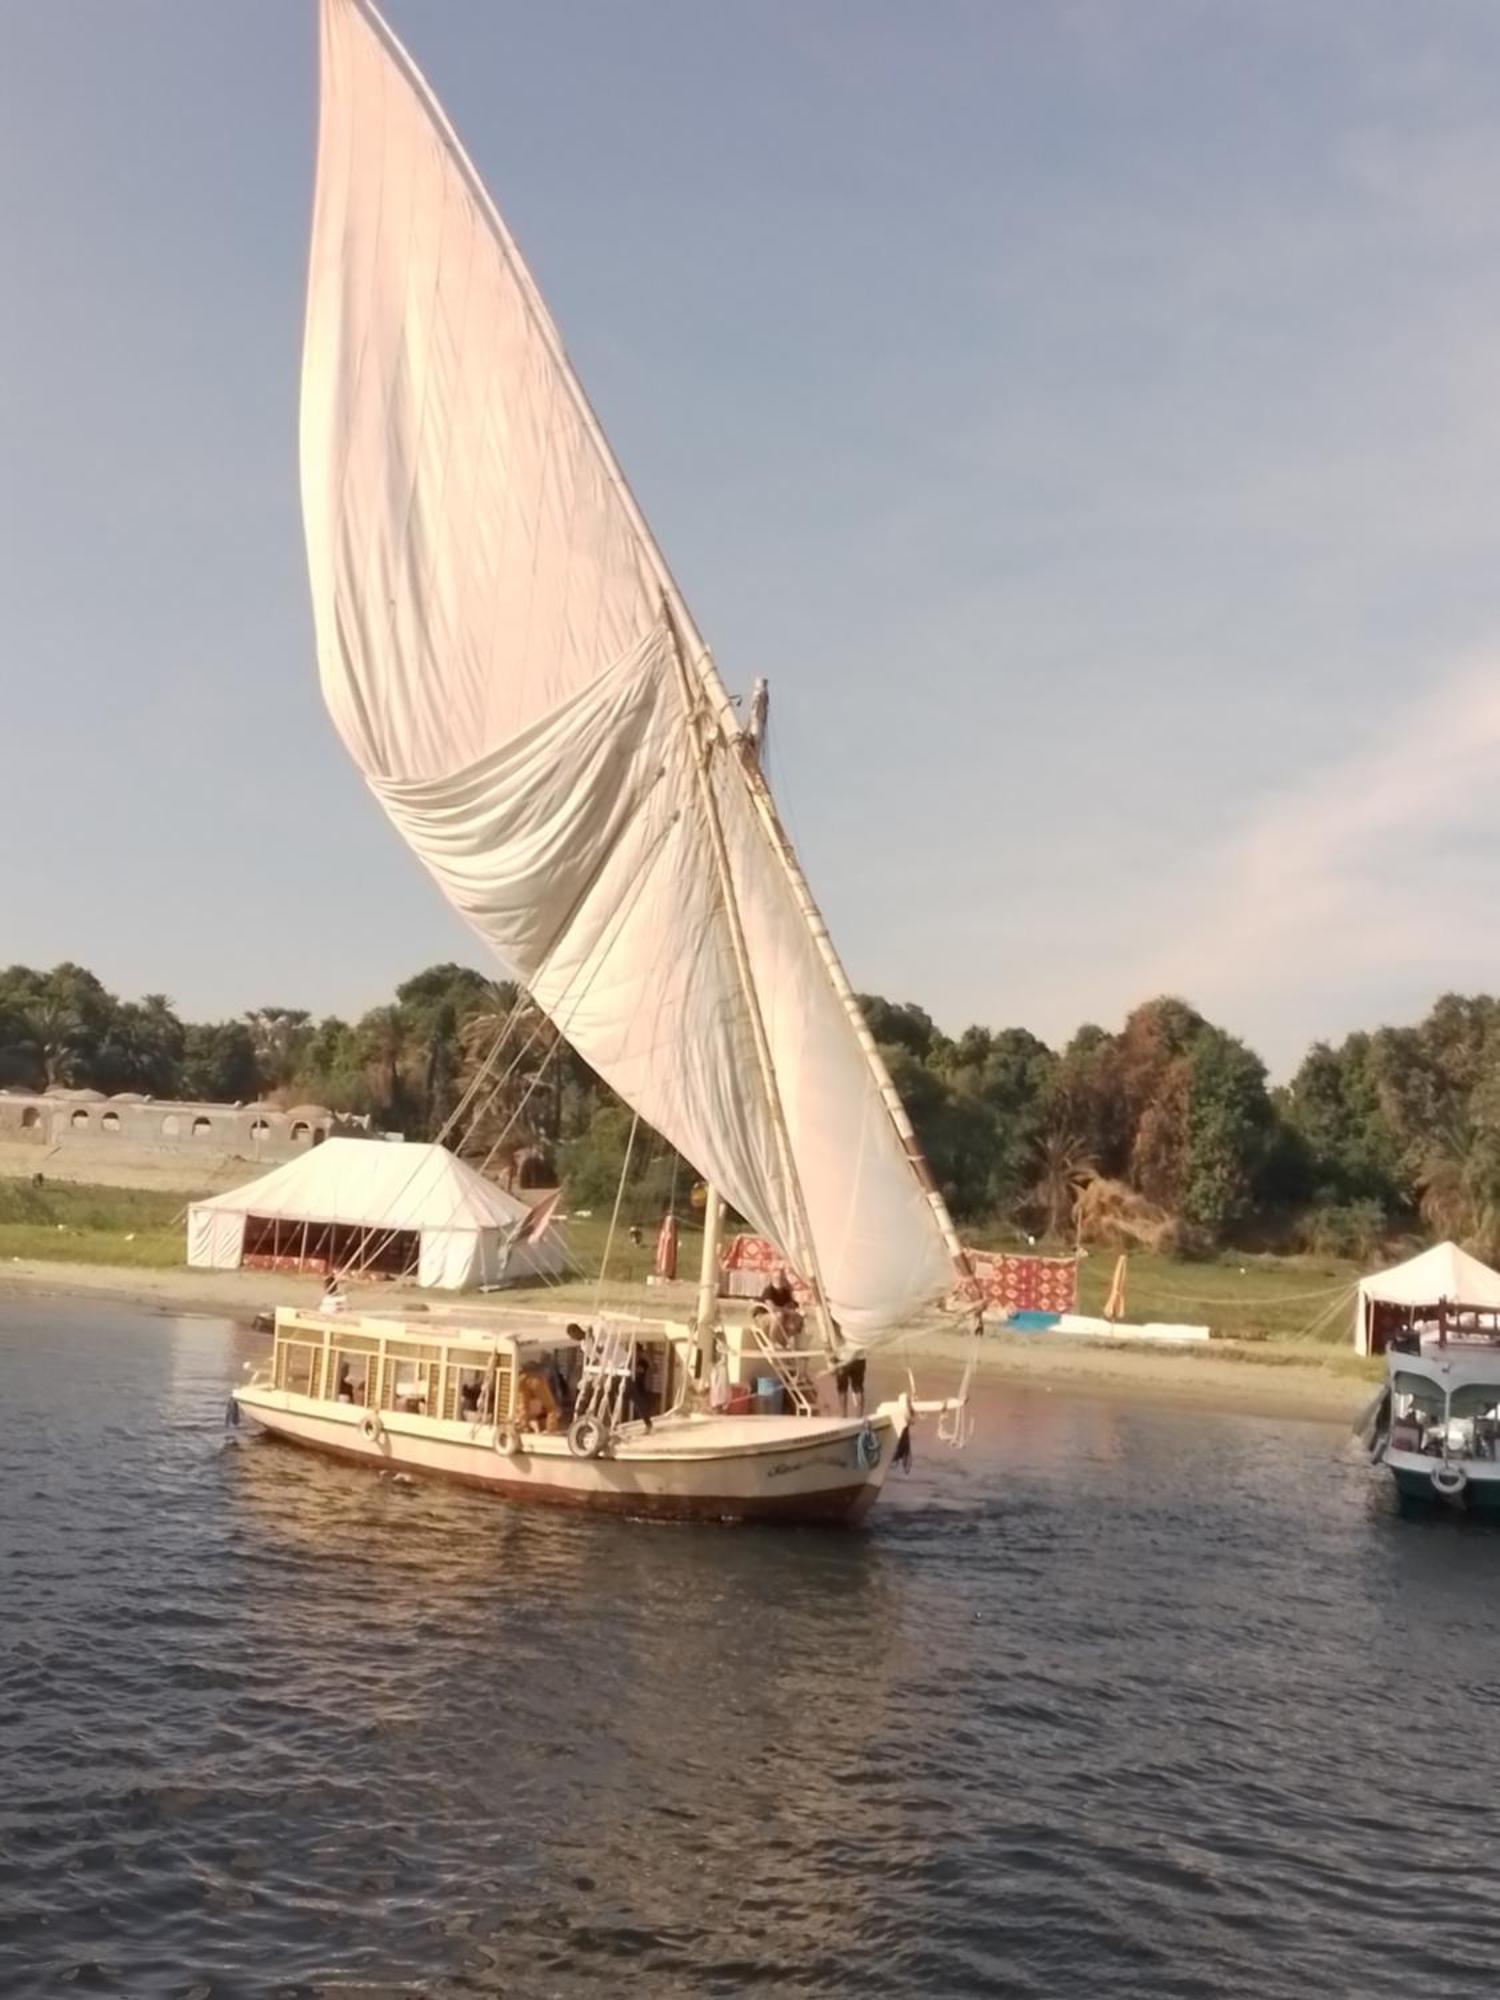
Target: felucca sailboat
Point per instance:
(510, 664)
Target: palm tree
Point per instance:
(1063, 1165)
(383, 1040)
(510, 1079)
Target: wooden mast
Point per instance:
(706, 1319)
(704, 744)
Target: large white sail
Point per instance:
(505, 657)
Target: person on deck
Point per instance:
(780, 1301)
(849, 1380)
(636, 1398)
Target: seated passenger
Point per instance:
(537, 1408)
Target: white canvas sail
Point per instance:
(504, 655)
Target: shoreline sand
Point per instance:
(1320, 1384)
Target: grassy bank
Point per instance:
(1238, 1298)
(59, 1222)
(1251, 1299)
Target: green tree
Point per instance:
(1230, 1124)
(1001, 1087)
(900, 1025)
(1085, 1104)
(279, 1036)
(58, 1022)
(331, 1069)
(1335, 1105)
(218, 1063)
(141, 1048)
(436, 1006)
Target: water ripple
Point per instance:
(1125, 1702)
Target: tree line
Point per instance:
(1165, 1131)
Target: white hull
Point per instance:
(684, 1468)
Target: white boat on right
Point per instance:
(1435, 1424)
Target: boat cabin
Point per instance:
(530, 1376)
(1445, 1385)
(536, 1374)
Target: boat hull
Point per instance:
(692, 1469)
(1480, 1493)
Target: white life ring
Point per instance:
(371, 1429)
(586, 1437)
(1449, 1481)
(507, 1439)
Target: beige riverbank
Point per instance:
(1269, 1379)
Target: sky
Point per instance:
(1083, 411)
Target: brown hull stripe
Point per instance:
(843, 1504)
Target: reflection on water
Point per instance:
(1123, 1701)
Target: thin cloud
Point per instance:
(1385, 862)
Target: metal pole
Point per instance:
(707, 1321)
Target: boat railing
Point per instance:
(1458, 1324)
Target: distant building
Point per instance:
(72, 1121)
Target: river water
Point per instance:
(1123, 1701)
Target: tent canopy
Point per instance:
(1442, 1273)
(464, 1223)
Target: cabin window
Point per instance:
(299, 1132)
(1475, 1399)
(79, 1120)
(1416, 1412)
(349, 1376)
(466, 1395)
(297, 1367)
(171, 1125)
(260, 1129)
(202, 1127)
(1417, 1395)
(110, 1122)
(1474, 1419)
(30, 1117)
(411, 1385)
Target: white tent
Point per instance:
(1421, 1284)
(362, 1201)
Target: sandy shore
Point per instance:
(1270, 1379)
(1316, 1383)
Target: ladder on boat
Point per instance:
(779, 1360)
(608, 1364)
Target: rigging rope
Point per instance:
(526, 999)
(1228, 1299)
(615, 1216)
